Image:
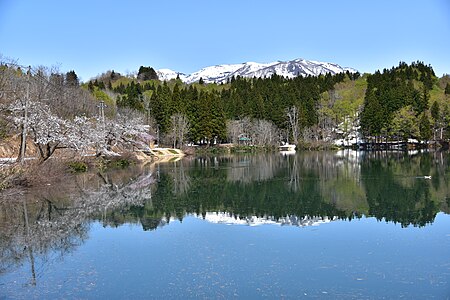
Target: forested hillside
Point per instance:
(298, 109)
(406, 102)
(401, 103)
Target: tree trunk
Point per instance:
(23, 146)
(46, 151)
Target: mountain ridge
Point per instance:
(224, 72)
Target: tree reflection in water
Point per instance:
(291, 190)
(345, 184)
(56, 219)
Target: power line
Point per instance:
(35, 72)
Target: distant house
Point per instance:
(243, 139)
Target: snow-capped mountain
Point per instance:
(229, 219)
(289, 69)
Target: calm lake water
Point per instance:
(319, 225)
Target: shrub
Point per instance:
(78, 167)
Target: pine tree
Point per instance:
(161, 107)
(372, 116)
(435, 110)
(147, 73)
(177, 102)
(425, 128)
(72, 79)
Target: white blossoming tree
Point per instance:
(50, 132)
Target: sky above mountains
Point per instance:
(91, 37)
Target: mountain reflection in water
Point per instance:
(305, 189)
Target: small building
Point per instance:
(243, 139)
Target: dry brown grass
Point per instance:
(32, 174)
(10, 175)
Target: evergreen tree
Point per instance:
(177, 102)
(425, 128)
(160, 107)
(372, 117)
(132, 97)
(147, 73)
(395, 89)
(72, 79)
(421, 102)
(435, 111)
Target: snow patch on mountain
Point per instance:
(168, 74)
(288, 69)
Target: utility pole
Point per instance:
(101, 107)
(28, 243)
(23, 143)
(157, 134)
(101, 115)
(101, 112)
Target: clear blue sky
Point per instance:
(92, 36)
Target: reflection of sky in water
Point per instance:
(358, 259)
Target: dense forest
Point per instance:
(398, 104)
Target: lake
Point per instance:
(315, 225)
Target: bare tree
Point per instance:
(264, 133)
(233, 130)
(180, 128)
(259, 132)
(293, 119)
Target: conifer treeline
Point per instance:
(391, 90)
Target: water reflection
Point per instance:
(346, 184)
(301, 190)
(226, 218)
(56, 219)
